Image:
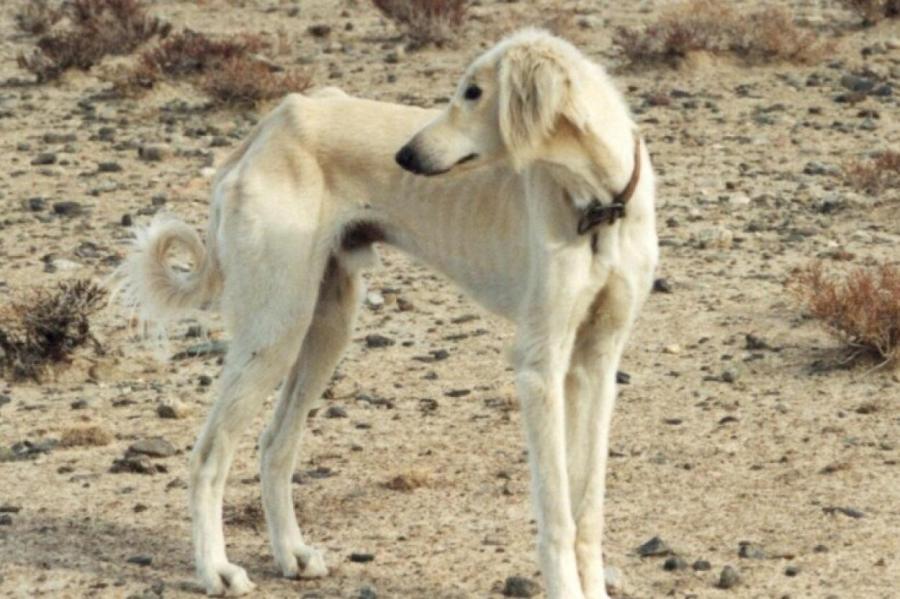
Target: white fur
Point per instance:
(549, 133)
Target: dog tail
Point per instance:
(156, 290)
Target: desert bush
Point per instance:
(767, 35)
(873, 11)
(46, 328)
(425, 21)
(38, 16)
(96, 28)
(876, 174)
(862, 307)
(228, 70)
(245, 82)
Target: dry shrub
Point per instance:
(38, 16)
(48, 327)
(227, 70)
(425, 21)
(862, 307)
(768, 35)
(244, 82)
(96, 28)
(876, 174)
(86, 436)
(873, 11)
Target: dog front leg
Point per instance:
(540, 386)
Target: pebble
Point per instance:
(655, 547)
(68, 208)
(37, 204)
(856, 83)
(728, 578)
(44, 159)
(729, 375)
(518, 586)
(376, 341)
(374, 300)
(674, 563)
(814, 167)
(109, 167)
(172, 409)
(672, 349)
(335, 412)
(662, 286)
(4, 399)
(140, 560)
(154, 153)
(366, 592)
(156, 447)
(5, 520)
(209, 348)
(791, 571)
(361, 558)
(701, 565)
(748, 550)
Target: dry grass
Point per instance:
(862, 308)
(426, 22)
(47, 328)
(767, 35)
(85, 436)
(38, 17)
(875, 175)
(95, 29)
(873, 11)
(228, 70)
(243, 82)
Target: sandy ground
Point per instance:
(715, 443)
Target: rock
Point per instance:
(8, 508)
(655, 547)
(173, 409)
(715, 237)
(615, 582)
(44, 159)
(674, 563)
(5, 520)
(819, 168)
(126, 220)
(856, 83)
(155, 447)
(791, 571)
(335, 412)
(662, 286)
(154, 153)
(623, 378)
(361, 558)
(518, 586)
(748, 550)
(136, 464)
(701, 565)
(68, 208)
(729, 578)
(4, 399)
(729, 375)
(37, 204)
(850, 512)
(204, 380)
(319, 30)
(674, 349)
(755, 343)
(366, 592)
(374, 300)
(140, 560)
(109, 167)
(376, 341)
(209, 348)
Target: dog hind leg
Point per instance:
(328, 335)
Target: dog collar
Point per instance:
(596, 213)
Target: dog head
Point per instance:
(511, 103)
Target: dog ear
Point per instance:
(535, 91)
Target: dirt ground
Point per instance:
(716, 442)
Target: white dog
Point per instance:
(544, 213)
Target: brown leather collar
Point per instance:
(596, 213)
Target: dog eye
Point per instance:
(473, 92)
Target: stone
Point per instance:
(728, 578)
(155, 447)
(519, 586)
(378, 341)
(655, 547)
(68, 208)
(154, 153)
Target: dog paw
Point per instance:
(227, 580)
(304, 562)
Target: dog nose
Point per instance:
(406, 158)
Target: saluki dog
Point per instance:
(532, 190)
